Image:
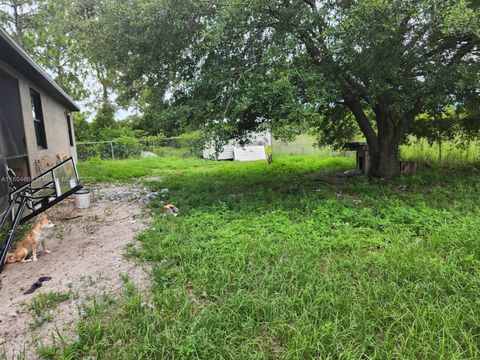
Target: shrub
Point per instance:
(172, 152)
(127, 146)
(151, 143)
(101, 150)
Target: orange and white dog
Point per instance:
(30, 242)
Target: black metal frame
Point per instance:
(16, 222)
(44, 199)
(25, 197)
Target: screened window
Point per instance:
(37, 114)
(69, 127)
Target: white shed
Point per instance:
(256, 149)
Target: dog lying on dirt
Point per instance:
(30, 242)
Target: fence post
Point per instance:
(111, 148)
(440, 152)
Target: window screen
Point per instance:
(69, 127)
(12, 133)
(37, 114)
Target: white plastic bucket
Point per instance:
(82, 199)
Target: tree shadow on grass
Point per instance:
(289, 186)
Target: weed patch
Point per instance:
(42, 305)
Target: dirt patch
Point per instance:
(86, 261)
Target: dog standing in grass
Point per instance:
(30, 242)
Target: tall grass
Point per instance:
(448, 153)
(305, 145)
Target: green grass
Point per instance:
(42, 305)
(167, 151)
(453, 155)
(290, 261)
(132, 170)
(303, 145)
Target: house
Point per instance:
(36, 129)
(256, 149)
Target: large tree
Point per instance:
(92, 39)
(292, 63)
(16, 16)
(41, 27)
(53, 45)
(65, 39)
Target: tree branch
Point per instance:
(448, 43)
(409, 118)
(354, 105)
(462, 51)
(311, 3)
(351, 101)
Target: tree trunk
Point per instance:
(440, 151)
(105, 95)
(18, 26)
(383, 144)
(384, 162)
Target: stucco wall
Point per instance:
(55, 122)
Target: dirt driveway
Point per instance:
(86, 262)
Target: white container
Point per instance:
(82, 199)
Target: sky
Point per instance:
(95, 90)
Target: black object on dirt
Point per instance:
(37, 285)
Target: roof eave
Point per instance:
(49, 86)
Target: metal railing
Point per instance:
(49, 188)
(38, 195)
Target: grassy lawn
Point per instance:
(290, 261)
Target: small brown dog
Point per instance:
(171, 210)
(30, 242)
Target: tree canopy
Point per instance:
(60, 35)
(292, 64)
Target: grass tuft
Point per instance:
(42, 305)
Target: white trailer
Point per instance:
(256, 149)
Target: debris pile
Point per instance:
(117, 194)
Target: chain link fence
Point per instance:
(187, 146)
(305, 145)
(129, 147)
